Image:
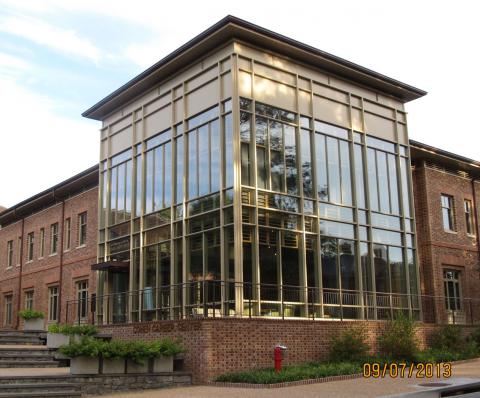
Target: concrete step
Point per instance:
(26, 357)
(39, 387)
(46, 394)
(37, 380)
(28, 364)
(21, 340)
(22, 351)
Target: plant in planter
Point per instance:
(59, 335)
(114, 354)
(33, 320)
(137, 354)
(163, 351)
(84, 355)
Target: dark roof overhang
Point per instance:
(230, 28)
(113, 266)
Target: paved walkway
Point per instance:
(363, 388)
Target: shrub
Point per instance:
(31, 314)
(399, 341)
(70, 330)
(86, 347)
(475, 336)
(350, 345)
(448, 338)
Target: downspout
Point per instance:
(60, 278)
(475, 215)
(19, 300)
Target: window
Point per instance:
(447, 213)
(468, 208)
(54, 238)
(82, 229)
(53, 303)
(42, 242)
(30, 238)
(82, 299)
(121, 188)
(451, 283)
(9, 253)
(29, 300)
(67, 234)
(8, 310)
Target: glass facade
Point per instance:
(248, 209)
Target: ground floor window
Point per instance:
(29, 300)
(8, 310)
(82, 299)
(53, 303)
(451, 283)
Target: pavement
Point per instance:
(338, 389)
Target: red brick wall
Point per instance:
(439, 249)
(42, 272)
(216, 346)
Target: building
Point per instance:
(446, 191)
(247, 173)
(48, 243)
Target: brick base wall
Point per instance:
(216, 346)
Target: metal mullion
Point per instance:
(389, 183)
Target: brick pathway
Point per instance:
(363, 388)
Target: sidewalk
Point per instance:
(363, 388)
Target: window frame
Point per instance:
(82, 229)
(8, 309)
(28, 299)
(448, 211)
(54, 239)
(42, 243)
(469, 219)
(30, 246)
(53, 303)
(457, 288)
(10, 254)
(67, 234)
(81, 288)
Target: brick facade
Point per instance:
(64, 268)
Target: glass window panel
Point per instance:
(203, 161)
(245, 126)
(261, 130)
(274, 113)
(276, 135)
(380, 262)
(158, 139)
(412, 272)
(277, 171)
(306, 164)
(268, 262)
(121, 193)
(348, 272)
(203, 117)
(329, 263)
(404, 170)
(362, 216)
(366, 271)
(357, 137)
(192, 165)
(383, 182)
(245, 158)
(121, 157)
(149, 183)
(384, 221)
(139, 185)
(128, 190)
(380, 144)
(158, 179)
(345, 172)
(335, 212)
(359, 180)
(113, 194)
(179, 162)
(261, 168)
(215, 155)
(372, 179)
(397, 270)
(195, 258)
(363, 233)
(246, 104)
(331, 130)
(392, 176)
(311, 260)
(228, 150)
(213, 261)
(386, 237)
(331, 228)
(290, 262)
(334, 192)
(321, 158)
(403, 150)
(305, 122)
(291, 160)
(168, 174)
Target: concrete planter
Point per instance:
(162, 364)
(84, 366)
(33, 324)
(55, 340)
(113, 366)
(133, 367)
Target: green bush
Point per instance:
(448, 338)
(398, 340)
(70, 330)
(292, 373)
(138, 351)
(350, 345)
(475, 336)
(31, 314)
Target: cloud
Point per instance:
(39, 146)
(11, 63)
(64, 41)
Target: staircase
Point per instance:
(27, 350)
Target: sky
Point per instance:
(59, 57)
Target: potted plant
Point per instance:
(137, 353)
(59, 335)
(114, 354)
(33, 320)
(162, 352)
(84, 355)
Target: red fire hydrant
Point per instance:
(277, 355)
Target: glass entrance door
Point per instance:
(119, 296)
